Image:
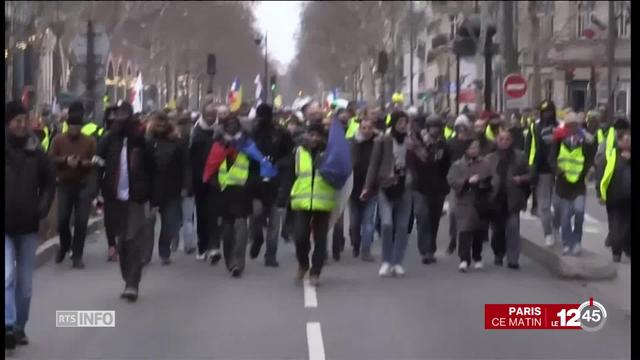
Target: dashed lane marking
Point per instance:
(310, 297)
(314, 341)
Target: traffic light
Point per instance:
(273, 82)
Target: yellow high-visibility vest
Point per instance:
(449, 132)
(488, 132)
(388, 120)
(608, 173)
(532, 146)
(89, 129)
(310, 192)
(610, 138)
(571, 162)
(46, 141)
(237, 175)
(353, 127)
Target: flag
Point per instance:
(234, 98)
(258, 88)
(137, 95)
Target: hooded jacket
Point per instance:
(29, 186)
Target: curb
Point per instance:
(588, 266)
(47, 250)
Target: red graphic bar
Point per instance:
(531, 316)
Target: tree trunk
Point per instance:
(535, 48)
(509, 49)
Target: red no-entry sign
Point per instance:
(515, 86)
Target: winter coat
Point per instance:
(289, 173)
(381, 174)
(619, 189)
(29, 187)
(516, 194)
(466, 212)
(360, 157)
(170, 172)
(429, 166)
(140, 163)
(565, 189)
(277, 145)
(201, 141)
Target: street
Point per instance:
(191, 310)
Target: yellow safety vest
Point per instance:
(608, 173)
(571, 162)
(610, 138)
(388, 120)
(488, 132)
(310, 192)
(449, 132)
(88, 129)
(532, 146)
(46, 140)
(237, 175)
(353, 127)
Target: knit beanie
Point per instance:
(76, 113)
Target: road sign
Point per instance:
(515, 89)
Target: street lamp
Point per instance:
(258, 41)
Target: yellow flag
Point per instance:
(237, 101)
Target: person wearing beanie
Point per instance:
(125, 162)
(387, 175)
(276, 144)
(472, 182)
(538, 145)
(312, 199)
(429, 161)
(30, 178)
(573, 150)
(71, 153)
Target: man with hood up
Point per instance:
(275, 143)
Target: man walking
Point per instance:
(29, 190)
(71, 153)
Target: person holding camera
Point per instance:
(471, 179)
(71, 153)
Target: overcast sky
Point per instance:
(281, 19)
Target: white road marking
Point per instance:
(314, 341)
(591, 219)
(310, 297)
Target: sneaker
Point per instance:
(367, 257)
(498, 261)
(201, 256)
(566, 250)
(617, 258)
(21, 337)
(463, 266)
(428, 259)
(478, 265)
(314, 280)
(166, 261)
(336, 256)
(513, 266)
(451, 249)
(398, 270)
(385, 270)
(214, 257)
(254, 251)
(607, 243)
(271, 263)
(549, 241)
(577, 249)
(9, 338)
(130, 293)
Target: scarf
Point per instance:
(217, 155)
(203, 124)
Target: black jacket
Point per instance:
(170, 172)
(430, 175)
(140, 164)
(360, 156)
(29, 187)
(201, 141)
(277, 144)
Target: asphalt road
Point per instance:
(191, 310)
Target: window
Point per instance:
(623, 19)
(621, 102)
(585, 8)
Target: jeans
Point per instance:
(19, 264)
(109, 220)
(620, 229)
(74, 198)
(188, 234)
(262, 217)
(361, 216)
(169, 227)
(428, 212)
(203, 216)
(394, 218)
(544, 193)
(305, 221)
(470, 245)
(568, 209)
(505, 237)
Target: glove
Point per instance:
(267, 170)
